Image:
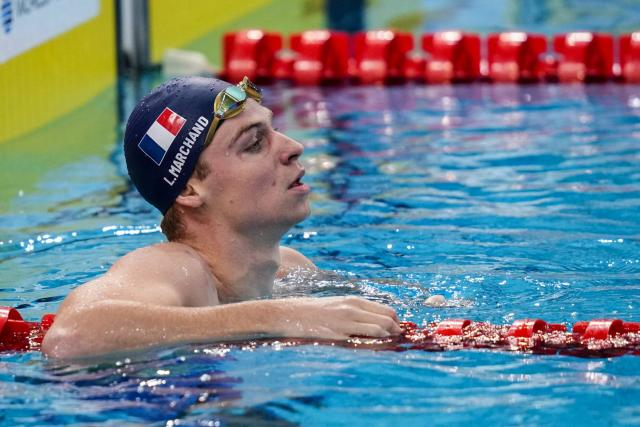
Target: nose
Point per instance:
(291, 151)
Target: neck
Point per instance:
(245, 264)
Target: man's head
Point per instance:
(165, 142)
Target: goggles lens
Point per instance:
(230, 102)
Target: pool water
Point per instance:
(511, 201)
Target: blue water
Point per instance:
(512, 201)
(540, 16)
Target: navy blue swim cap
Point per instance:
(165, 135)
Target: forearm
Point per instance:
(113, 325)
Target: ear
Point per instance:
(190, 196)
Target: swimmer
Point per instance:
(205, 154)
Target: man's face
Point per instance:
(255, 173)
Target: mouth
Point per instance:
(298, 181)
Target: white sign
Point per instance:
(25, 24)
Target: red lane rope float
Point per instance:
(630, 57)
(385, 56)
(584, 57)
(16, 334)
(250, 53)
(595, 338)
(518, 57)
(322, 57)
(454, 56)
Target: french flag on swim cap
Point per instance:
(161, 135)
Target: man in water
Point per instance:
(229, 185)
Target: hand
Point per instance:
(435, 301)
(336, 318)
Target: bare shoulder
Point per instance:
(161, 260)
(169, 274)
(291, 259)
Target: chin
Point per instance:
(299, 215)
(298, 218)
(305, 213)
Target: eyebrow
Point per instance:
(248, 127)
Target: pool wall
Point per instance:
(47, 73)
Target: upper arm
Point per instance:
(151, 280)
(290, 259)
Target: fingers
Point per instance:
(370, 330)
(329, 334)
(341, 317)
(386, 323)
(435, 301)
(374, 307)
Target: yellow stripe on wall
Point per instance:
(174, 24)
(58, 76)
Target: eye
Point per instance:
(256, 144)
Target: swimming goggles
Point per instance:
(230, 102)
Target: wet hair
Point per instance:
(172, 224)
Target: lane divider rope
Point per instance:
(318, 57)
(594, 338)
